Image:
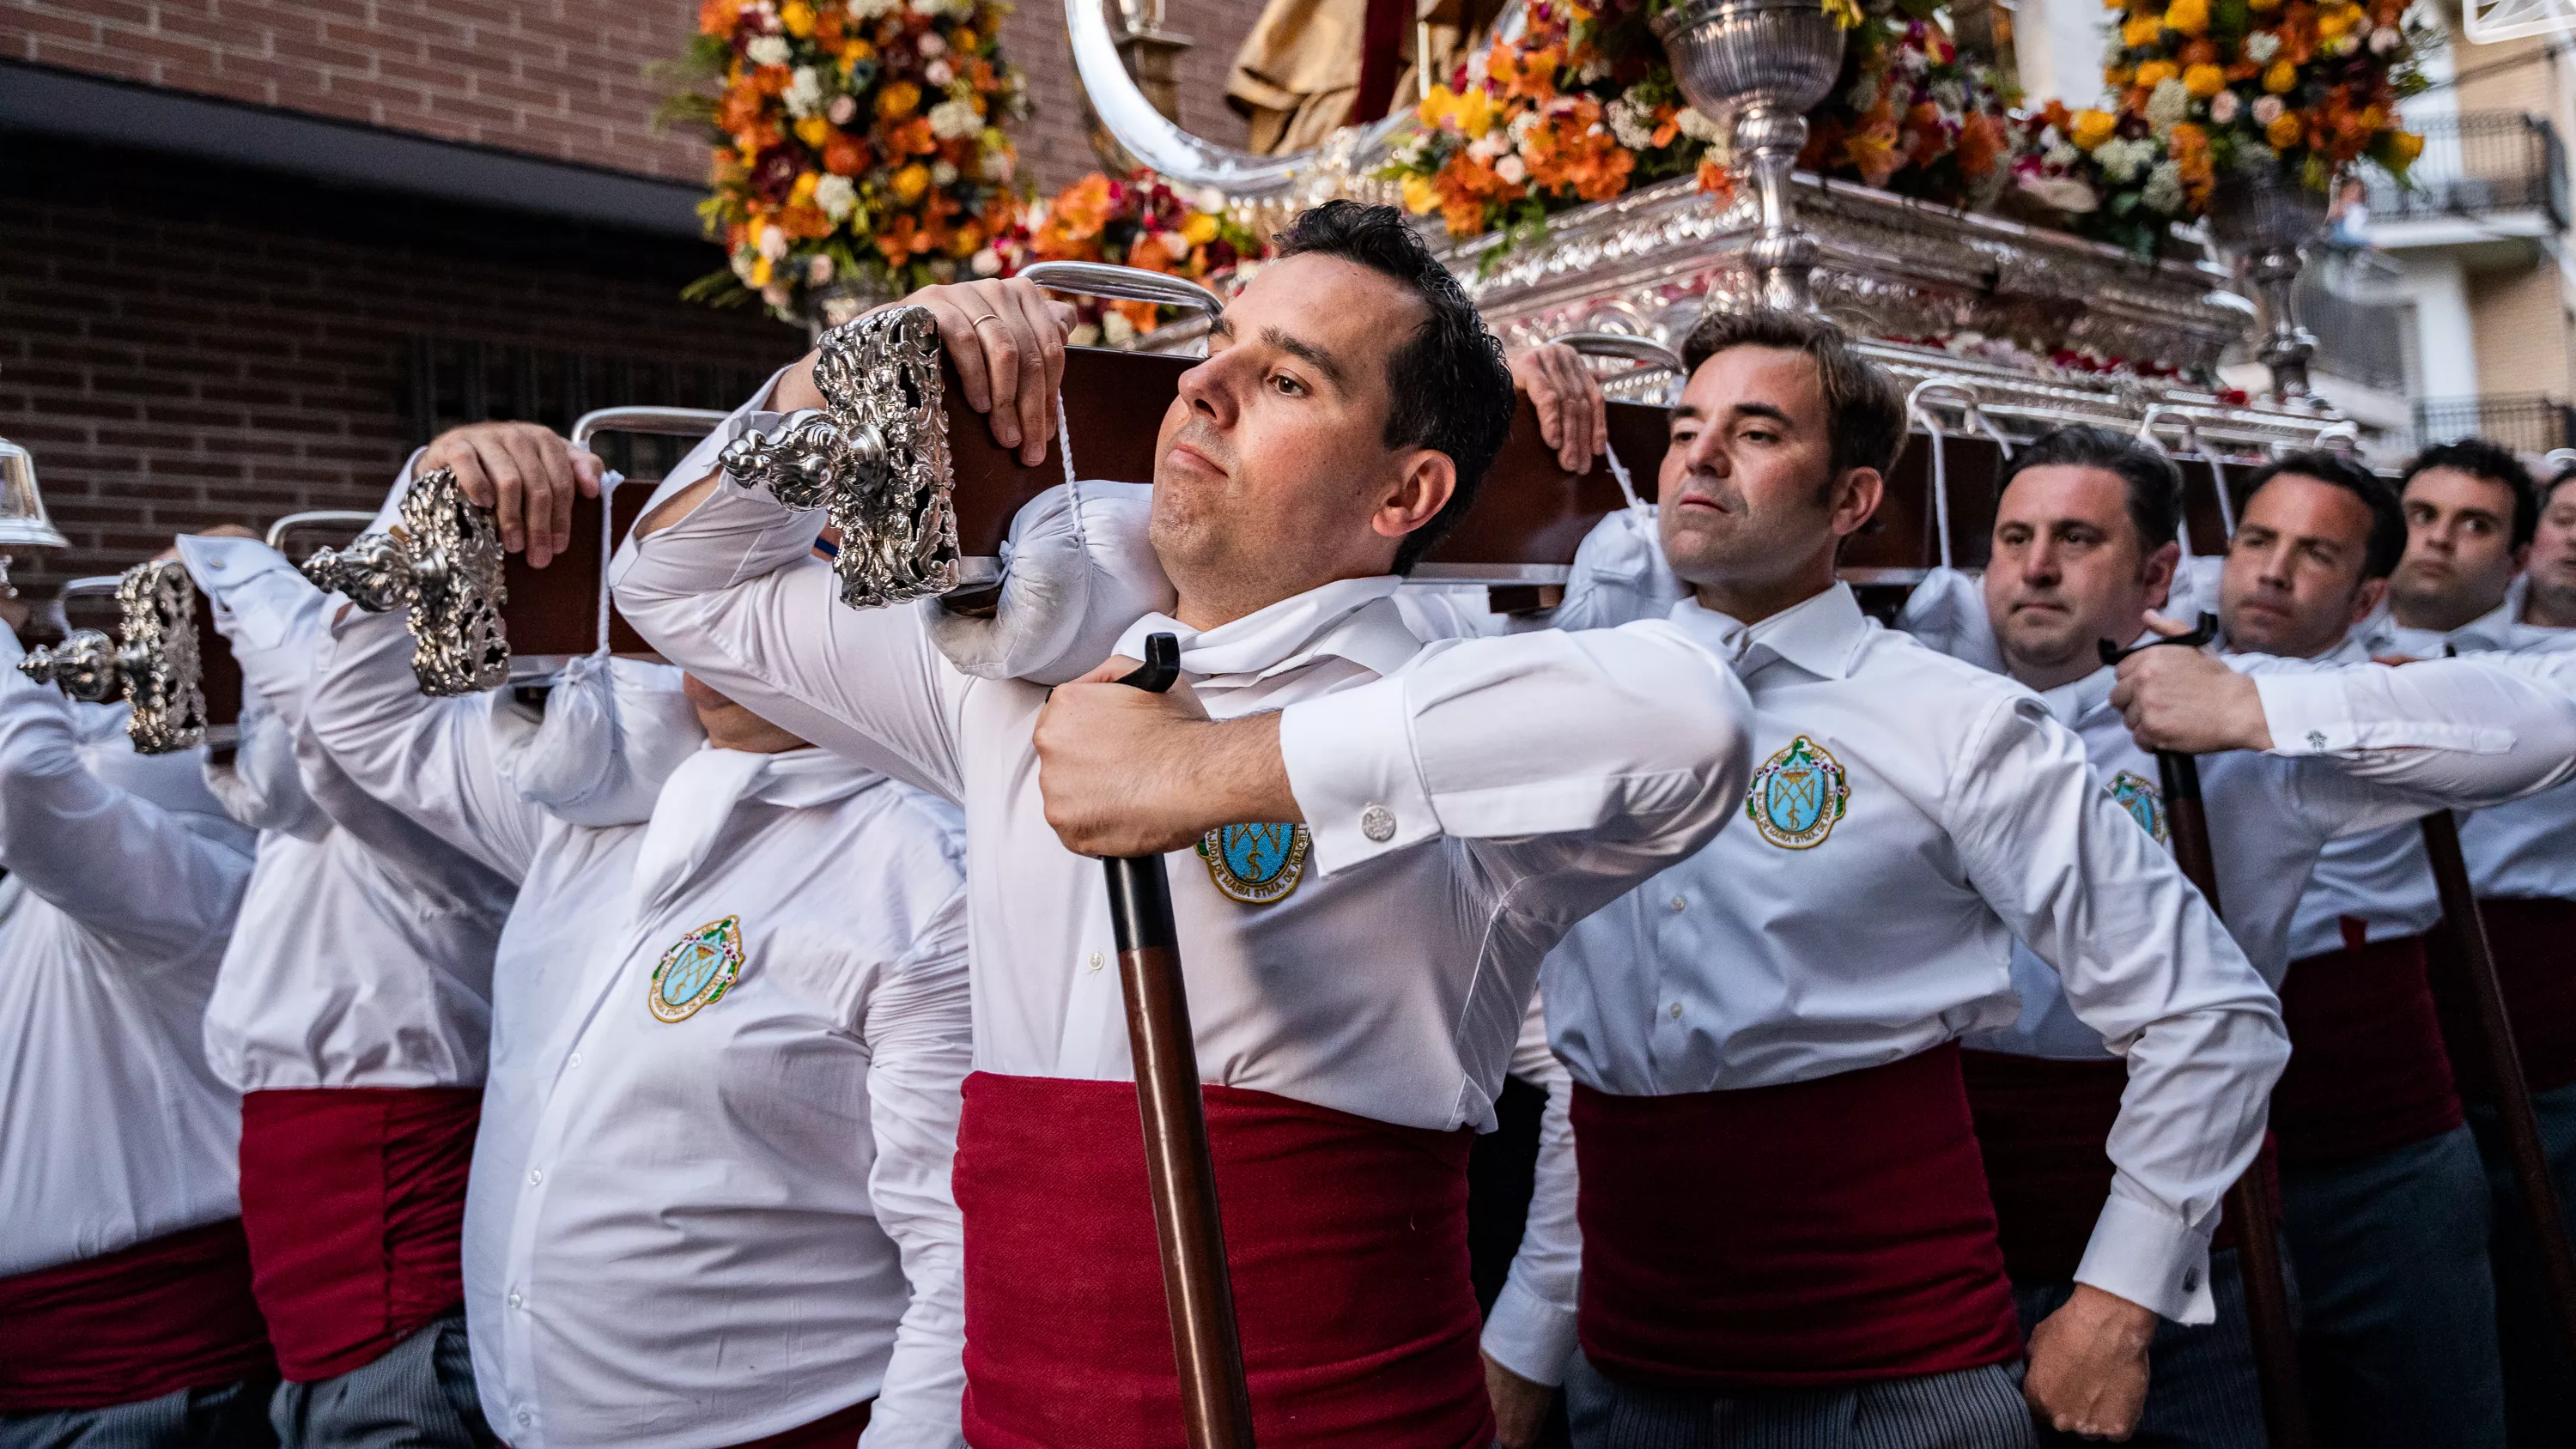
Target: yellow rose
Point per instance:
(2282, 78)
(2156, 72)
(2092, 128)
(2337, 20)
(2204, 81)
(2140, 30)
(2187, 17)
(1420, 196)
(814, 131)
(796, 18)
(760, 272)
(1199, 229)
(910, 182)
(2285, 131)
(963, 42)
(803, 190)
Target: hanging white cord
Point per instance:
(608, 482)
(2218, 481)
(1072, 485)
(1619, 473)
(1940, 481)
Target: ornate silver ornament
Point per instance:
(157, 668)
(442, 563)
(874, 458)
(2261, 219)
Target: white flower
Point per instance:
(768, 50)
(1489, 145)
(998, 164)
(985, 263)
(942, 174)
(2385, 39)
(2267, 109)
(772, 242)
(841, 110)
(1476, 68)
(952, 119)
(931, 44)
(818, 270)
(1949, 95)
(836, 196)
(1629, 125)
(1174, 244)
(1512, 169)
(804, 95)
(1116, 330)
(777, 296)
(2163, 191)
(2065, 193)
(938, 74)
(1521, 125)
(2060, 156)
(1083, 335)
(2224, 106)
(2122, 160)
(1594, 70)
(742, 261)
(2261, 46)
(873, 9)
(2168, 105)
(1697, 126)
(1864, 92)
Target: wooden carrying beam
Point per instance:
(552, 613)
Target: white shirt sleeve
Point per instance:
(119, 865)
(1599, 756)
(733, 594)
(1531, 1329)
(920, 1046)
(429, 758)
(2493, 731)
(2148, 965)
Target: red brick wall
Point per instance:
(558, 78)
(241, 349)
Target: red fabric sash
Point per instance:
(2043, 1128)
(2367, 1071)
(2534, 942)
(1348, 1243)
(354, 1199)
(832, 1431)
(1826, 1232)
(167, 1314)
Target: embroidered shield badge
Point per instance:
(697, 971)
(1255, 864)
(2144, 802)
(1797, 796)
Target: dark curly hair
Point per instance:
(2493, 462)
(1451, 390)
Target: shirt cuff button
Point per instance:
(1378, 824)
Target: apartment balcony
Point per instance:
(2526, 422)
(2490, 184)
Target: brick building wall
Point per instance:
(183, 345)
(564, 79)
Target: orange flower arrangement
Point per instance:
(858, 144)
(1142, 221)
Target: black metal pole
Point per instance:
(2258, 1231)
(2514, 1116)
(1198, 1289)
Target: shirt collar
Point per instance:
(1821, 634)
(1352, 619)
(2072, 701)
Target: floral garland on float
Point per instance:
(1912, 114)
(1139, 221)
(859, 150)
(2293, 90)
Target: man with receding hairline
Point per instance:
(1786, 1231)
(1370, 845)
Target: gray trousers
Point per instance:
(222, 1418)
(2399, 1322)
(420, 1395)
(2202, 1392)
(1971, 1409)
(2539, 1388)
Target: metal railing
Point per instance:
(2478, 163)
(447, 381)
(2362, 341)
(2525, 422)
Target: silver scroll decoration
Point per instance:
(441, 562)
(874, 457)
(157, 668)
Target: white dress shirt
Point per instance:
(1531, 1327)
(1973, 819)
(113, 1130)
(685, 1233)
(1467, 802)
(2482, 736)
(363, 954)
